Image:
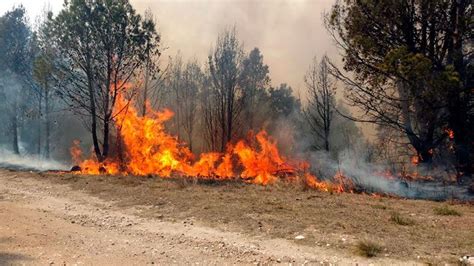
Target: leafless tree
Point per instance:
(320, 108)
(193, 79)
(223, 105)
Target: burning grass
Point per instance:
(149, 150)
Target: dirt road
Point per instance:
(43, 222)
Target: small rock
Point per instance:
(299, 237)
(467, 260)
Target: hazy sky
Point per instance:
(288, 32)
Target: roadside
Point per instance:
(64, 218)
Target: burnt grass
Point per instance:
(284, 210)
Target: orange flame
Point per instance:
(450, 133)
(149, 149)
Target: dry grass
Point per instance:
(401, 220)
(368, 249)
(283, 211)
(447, 211)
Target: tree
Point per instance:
(185, 82)
(175, 86)
(44, 68)
(193, 80)
(102, 44)
(320, 107)
(282, 102)
(255, 82)
(15, 57)
(224, 105)
(150, 68)
(412, 68)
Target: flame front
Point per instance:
(149, 150)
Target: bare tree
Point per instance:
(223, 102)
(320, 108)
(151, 67)
(193, 79)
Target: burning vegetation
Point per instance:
(147, 149)
(101, 63)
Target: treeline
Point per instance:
(78, 62)
(407, 68)
(412, 73)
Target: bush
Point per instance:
(445, 210)
(368, 249)
(398, 219)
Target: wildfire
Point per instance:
(450, 133)
(150, 150)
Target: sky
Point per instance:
(289, 33)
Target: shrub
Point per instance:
(445, 210)
(399, 219)
(368, 249)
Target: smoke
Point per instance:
(13, 161)
(288, 32)
(370, 178)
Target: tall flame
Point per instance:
(149, 149)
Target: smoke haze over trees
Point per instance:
(409, 74)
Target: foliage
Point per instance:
(410, 62)
(102, 44)
(282, 101)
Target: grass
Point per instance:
(368, 249)
(284, 209)
(379, 206)
(445, 210)
(401, 220)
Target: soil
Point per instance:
(63, 218)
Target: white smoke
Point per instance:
(370, 178)
(28, 162)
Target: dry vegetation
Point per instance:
(368, 249)
(397, 228)
(445, 210)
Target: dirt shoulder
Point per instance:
(65, 218)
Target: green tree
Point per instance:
(282, 102)
(255, 82)
(411, 65)
(44, 69)
(103, 44)
(15, 57)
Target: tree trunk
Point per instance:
(47, 115)
(14, 124)
(95, 139)
(230, 116)
(105, 145)
(145, 90)
(40, 102)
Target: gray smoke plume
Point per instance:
(10, 160)
(369, 178)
